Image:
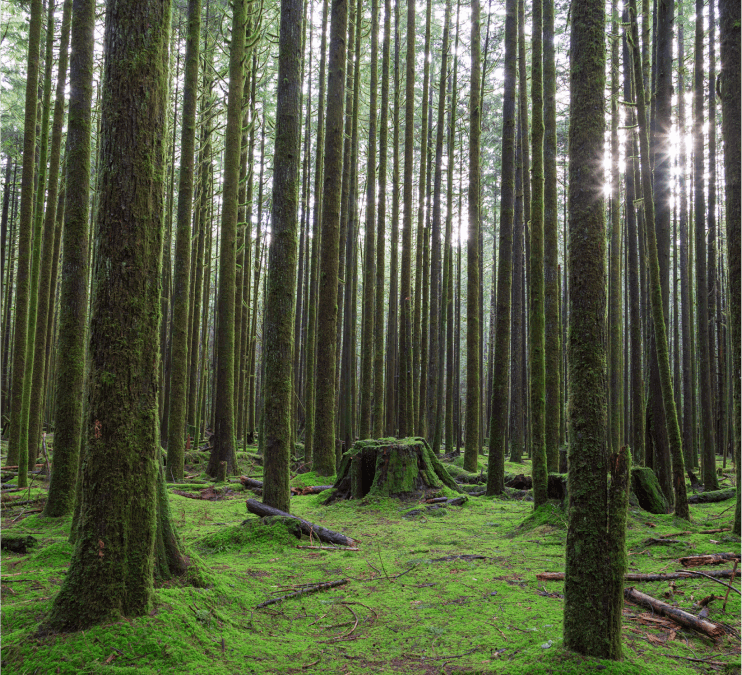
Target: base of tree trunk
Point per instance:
(646, 488)
(390, 467)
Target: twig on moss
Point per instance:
(708, 576)
(304, 591)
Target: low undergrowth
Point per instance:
(450, 593)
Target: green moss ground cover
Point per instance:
(410, 605)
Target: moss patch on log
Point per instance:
(646, 487)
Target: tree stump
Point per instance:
(390, 467)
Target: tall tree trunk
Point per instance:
(112, 568)
(536, 281)
(369, 269)
(324, 442)
(552, 332)
(591, 573)
(281, 282)
(18, 442)
(182, 274)
(712, 270)
(73, 299)
(708, 447)
(729, 21)
(406, 360)
(660, 331)
(473, 366)
(498, 422)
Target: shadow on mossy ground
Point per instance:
(411, 605)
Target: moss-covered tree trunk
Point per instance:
(73, 302)
(182, 274)
(224, 416)
(42, 337)
(324, 439)
(589, 624)
(536, 324)
(111, 573)
(712, 236)
(552, 332)
(369, 268)
(636, 438)
(499, 419)
(473, 367)
(378, 368)
(729, 20)
(660, 332)
(18, 442)
(438, 305)
(281, 282)
(708, 445)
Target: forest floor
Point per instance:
(447, 591)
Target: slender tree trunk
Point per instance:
(708, 447)
(281, 282)
(324, 442)
(660, 332)
(517, 366)
(181, 276)
(73, 300)
(498, 422)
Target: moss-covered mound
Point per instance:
(390, 467)
(646, 488)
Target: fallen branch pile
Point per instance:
(312, 588)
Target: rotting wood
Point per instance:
(322, 533)
(331, 548)
(304, 591)
(711, 559)
(726, 597)
(712, 496)
(681, 617)
(716, 574)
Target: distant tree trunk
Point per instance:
(498, 422)
(729, 21)
(660, 332)
(18, 442)
(46, 288)
(112, 568)
(378, 427)
(473, 366)
(311, 372)
(406, 360)
(595, 557)
(536, 325)
(281, 282)
(181, 300)
(324, 442)
(708, 454)
(553, 343)
(392, 341)
(73, 297)
(369, 269)
(438, 306)
(616, 249)
(633, 273)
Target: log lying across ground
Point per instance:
(712, 559)
(322, 533)
(635, 577)
(686, 619)
(254, 484)
(713, 496)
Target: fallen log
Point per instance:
(251, 482)
(254, 484)
(681, 617)
(713, 496)
(322, 533)
(631, 576)
(17, 544)
(303, 591)
(712, 559)
(331, 548)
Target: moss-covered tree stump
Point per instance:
(390, 467)
(646, 488)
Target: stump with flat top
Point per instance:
(390, 467)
